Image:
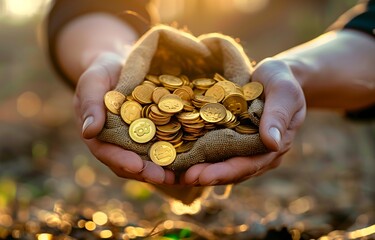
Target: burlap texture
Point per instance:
(210, 53)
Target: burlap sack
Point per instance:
(162, 49)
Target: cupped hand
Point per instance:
(101, 76)
(284, 112)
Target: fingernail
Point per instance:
(276, 135)
(88, 121)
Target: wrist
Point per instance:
(86, 38)
(301, 70)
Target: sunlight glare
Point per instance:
(22, 8)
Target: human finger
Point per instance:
(99, 78)
(284, 99)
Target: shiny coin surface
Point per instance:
(229, 87)
(217, 92)
(170, 80)
(171, 103)
(203, 83)
(252, 90)
(158, 93)
(235, 103)
(130, 111)
(162, 153)
(213, 112)
(143, 94)
(142, 130)
(170, 128)
(113, 101)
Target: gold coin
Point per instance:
(158, 93)
(252, 90)
(219, 77)
(203, 83)
(186, 146)
(217, 92)
(143, 94)
(182, 93)
(153, 78)
(170, 128)
(188, 115)
(213, 112)
(235, 103)
(171, 104)
(229, 87)
(142, 130)
(246, 129)
(162, 153)
(170, 80)
(113, 101)
(130, 111)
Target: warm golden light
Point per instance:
(301, 205)
(168, 224)
(85, 176)
(100, 218)
(44, 236)
(29, 104)
(90, 226)
(361, 233)
(105, 234)
(23, 8)
(118, 217)
(6, 220)
(178, 208)
(81, 223)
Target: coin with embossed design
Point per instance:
(142, 130)
(162, 153)
(213, 112)
(171, 103)
(113, 101)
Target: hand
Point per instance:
(283, 114)
(100, 77)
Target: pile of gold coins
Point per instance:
(177, 111)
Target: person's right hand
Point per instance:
(284, 112)
(101, 76)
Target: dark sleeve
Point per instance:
(365, 20)
(362, 18)
(63, 11)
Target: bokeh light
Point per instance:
(23, 8)
(179, 208)
(100, 218)
(29, 104)
(85, 176)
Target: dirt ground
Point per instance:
(50, 184)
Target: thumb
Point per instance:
(99, 78)
(284, 107)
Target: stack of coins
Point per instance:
(174, 111)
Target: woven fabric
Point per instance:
(211, 53)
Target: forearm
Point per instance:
(336, 70)
(84, 39)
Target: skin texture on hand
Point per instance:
(100, 77)
(334, 70)
(92, 50)
(283, 114)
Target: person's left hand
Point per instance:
(101, 76)
(283, 114)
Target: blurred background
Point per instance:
(52, 188)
